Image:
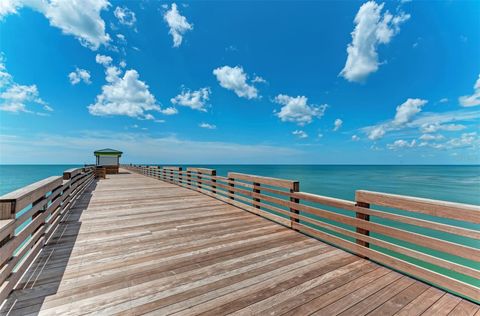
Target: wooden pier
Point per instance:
(163, 241)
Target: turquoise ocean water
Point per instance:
(451, 183)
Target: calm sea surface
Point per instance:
(450, 183)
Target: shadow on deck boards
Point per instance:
(53, 259)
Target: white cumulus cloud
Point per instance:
(372, 28)
(474, 99)
(297, 109)
(355, 138)
(178, 24)
(103, 60)
(80, 18)
(376, 132)
(337, 124)
(193, 99)
(79, 75)
(125, 16)
(300, 134)
(124, 95)
(169, 111)
(407, 110)
(15, 97)
(235, 79)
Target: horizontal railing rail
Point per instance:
(29, 217)
(435, 241)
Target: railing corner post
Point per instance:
(231, 183)
(189, 178)
(7, 211)
(364, 217)
(256, 190)
(180, 177)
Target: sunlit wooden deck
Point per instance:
(135, 245)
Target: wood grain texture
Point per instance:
(135, 245)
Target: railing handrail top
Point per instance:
(322, 198)
(472, 207)
(285, 183)
(201, 170)
(28, 189)
(171, 168)
(73, 169)
(438, 208)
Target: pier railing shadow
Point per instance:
(39, 237)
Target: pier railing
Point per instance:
(435, 241)
(29, 217)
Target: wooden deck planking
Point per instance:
(135, 245)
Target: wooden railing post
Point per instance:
(180, 177)
(231, 184)
(40, 211)
(364, 217)
(54, 199)
(295, 188)
(256, 189)
(199, 180)
(189, 178)
(214, 187)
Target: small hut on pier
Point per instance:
(109, 159)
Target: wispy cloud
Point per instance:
(473, 99)
(207, 126)
(16, 98)
(400, 143)
(403, 115)
(195, 100)
(138, 147)
(337, 124)
(125, 16)
(300, 134)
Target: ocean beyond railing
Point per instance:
(400, 240)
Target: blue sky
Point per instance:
(240, 82)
